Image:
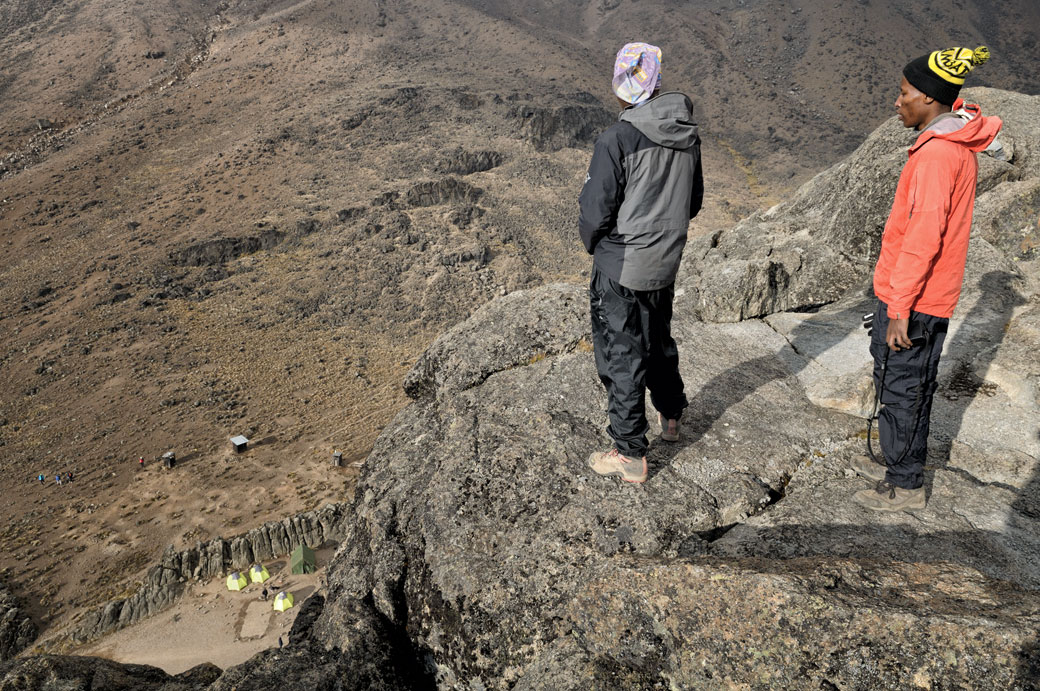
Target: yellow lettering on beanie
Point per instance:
(954, 64)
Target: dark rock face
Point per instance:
(443, 191)
(553, 128)
(464, 217)
(367, 654)
(221, 250)
(73, 672)
(469, 162)
(17, 630)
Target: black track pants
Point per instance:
(906, 373)
(631, 332)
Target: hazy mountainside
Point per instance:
(791, 86)
(227, 217)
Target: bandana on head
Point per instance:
(637, 72)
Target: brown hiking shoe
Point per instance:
(613, 463)
(866, 467)
(888, 497)
(669, 428)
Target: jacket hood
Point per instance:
(666, 120)
(964, 125)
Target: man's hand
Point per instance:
(896, 335)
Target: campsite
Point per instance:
(211, 623)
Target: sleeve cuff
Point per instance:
(898, 312)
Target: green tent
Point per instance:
(302, 560)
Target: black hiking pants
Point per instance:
(907, 384)
(632, 339)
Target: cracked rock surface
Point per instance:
(481, 532)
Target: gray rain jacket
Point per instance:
(643, 186)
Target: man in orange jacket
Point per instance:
(919, 272)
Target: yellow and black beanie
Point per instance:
(941, 74)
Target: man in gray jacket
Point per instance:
(643, 186)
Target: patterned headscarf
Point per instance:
(637, 72)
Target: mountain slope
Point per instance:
(251, 217)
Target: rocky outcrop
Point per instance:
(551, 128)
(17, 629)
(811, 249)
(443, 191)
(469, 162)
(517, 329)
(219, 250)
(165, 582)
(482, 534)
(74, 672)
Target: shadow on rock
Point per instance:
(732, 386)
(972, 350)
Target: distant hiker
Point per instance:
(57, 478)
(921, 267)
(263, 594)
(279, 642)
(41, 478)
(140, 462)
(643, 186)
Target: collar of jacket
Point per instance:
(977, 133)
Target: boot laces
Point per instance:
(886, 488)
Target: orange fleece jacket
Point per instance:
(925, 243)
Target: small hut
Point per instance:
(302, 560)
(239, 443)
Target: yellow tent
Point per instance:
(282, 601)
(236, 581)
(258, 573)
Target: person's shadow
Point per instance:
(732, 386)
(971, 350)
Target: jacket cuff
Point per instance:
(895, 312)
